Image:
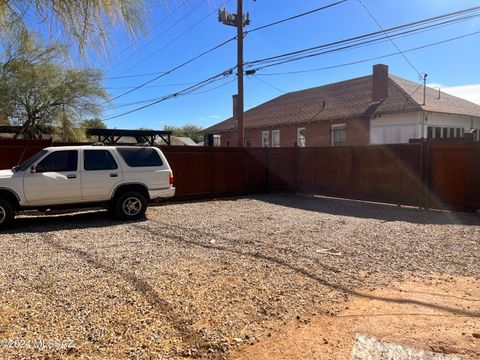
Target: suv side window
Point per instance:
(98, 160)
(59, 161)
(144, 157)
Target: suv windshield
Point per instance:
(26, 165)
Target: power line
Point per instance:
(157, 98)
(154, 27)
(173, 69)
(149, 86)
(269, 85)
(389, 38)
(333, 47)
(132, 76)
(214, 88)
(369, 59)
(296, 16)
(177, 94)
(375, 35)
(190, 28)
(253, 30)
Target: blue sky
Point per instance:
(453, 66)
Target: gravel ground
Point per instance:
(199, 279)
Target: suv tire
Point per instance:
(130, 206)
(7, 214)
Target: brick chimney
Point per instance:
(379, 82)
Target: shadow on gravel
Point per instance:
(182, 326)
(71, 221)
(369, 210)
(301, 270)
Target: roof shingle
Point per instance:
(347, 99)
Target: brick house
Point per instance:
(375, 109)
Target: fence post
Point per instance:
(212, 157)
(265, 155)
(426, 175)
(352, 167)
(296, 181)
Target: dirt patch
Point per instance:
(436, 313)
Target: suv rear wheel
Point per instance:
(7, 214)
(130, 206)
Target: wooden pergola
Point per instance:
(112, 136)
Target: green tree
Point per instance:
(37, 91)
(192, 131)
(95, 123)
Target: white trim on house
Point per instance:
(301, 139)
(217, 140)
(400, 128)
(265, 138)
(275, 138)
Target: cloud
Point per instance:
(210, 117)
(468, 92)
(435, 86)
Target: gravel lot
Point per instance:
(199, 279)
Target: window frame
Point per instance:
(299, 144)
(217, 140)
(277, 132)
(40, 171)
(333, 131)
(120, 150)
(267, 138)
(99, 150)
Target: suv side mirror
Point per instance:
(33, 169)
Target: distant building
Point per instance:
(375, 109)
(183, 141)
(177, 141)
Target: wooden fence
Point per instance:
(437, 174)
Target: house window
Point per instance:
(438, 133)
(276, 138)
(430, 132)
(217, 140)
(227, 143)
(301, 139)
(339, 135)
(265, 138)
(451, 132)
(248, 142)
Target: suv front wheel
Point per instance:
(7, 214)
(130, 206)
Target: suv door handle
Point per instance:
(71, 176)
(113, 175)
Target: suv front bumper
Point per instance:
(161, 193)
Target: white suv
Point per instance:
(122, 179)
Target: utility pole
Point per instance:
(239, 21)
